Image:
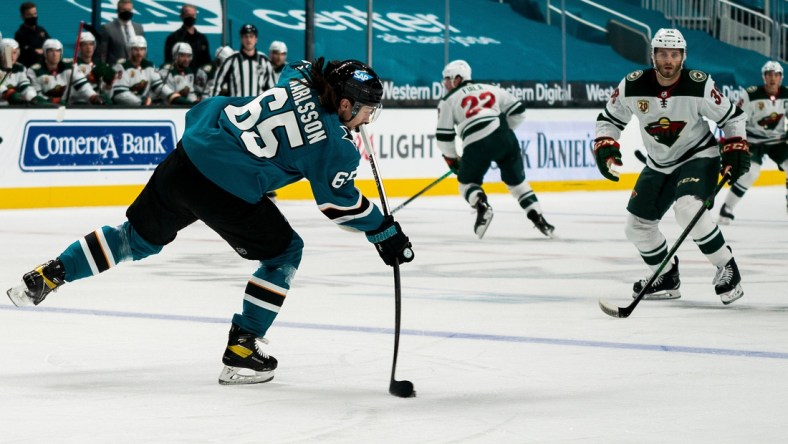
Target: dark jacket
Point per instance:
(201, 55)
(29, 40)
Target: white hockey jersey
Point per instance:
(15, 86)
(181, 82)
(474, 111)
(133, 85)
(52, 84)
(671, 119)
(766, 119)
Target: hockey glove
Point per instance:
(607, 153)
(391, 242)
(454, 164)
(735, 155)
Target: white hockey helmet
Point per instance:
(457, 68)
(181, 48)
(771, 66)
(277, 46)
(138, 41)
(87, 37)
(9, 43)
(222, 53)
(52, 44)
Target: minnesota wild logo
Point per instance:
(771, 121)
(665, 131)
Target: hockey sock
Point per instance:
(103, 249)
(525, 196)
(741, 186)
(471, 192)
(650, 242)
(706, 234)
(266, 290)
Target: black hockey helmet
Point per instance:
(357, 82)
(249, 29)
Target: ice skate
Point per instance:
(37, 284)
(726, 216)
(663, 287)
(727, 282)
(484, 215)
(244, 361)
(540, 223)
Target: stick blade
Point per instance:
(402, 389)
(614, 311)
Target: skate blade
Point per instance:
(732, 295)
(660, 295)
(482, 228)
(232, 376)
(18, 296)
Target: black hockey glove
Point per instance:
(607, 153)
(735, 154)
(391, 242)
(454, 164)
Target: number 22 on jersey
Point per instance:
(473, 104)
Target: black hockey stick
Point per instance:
(74, 66)
(435, 182)
(402, 389)
(623, 312)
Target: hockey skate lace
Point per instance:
(724, 276)
(654, 284)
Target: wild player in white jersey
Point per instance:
(178, 76)
(51, 79)
(137, 82)
(15, 87)
(766, 108)
(484, 116)
(683, 160)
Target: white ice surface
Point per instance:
(502, 337)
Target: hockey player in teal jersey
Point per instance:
(233, 151)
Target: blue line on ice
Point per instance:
(424, 333)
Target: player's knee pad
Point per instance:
(642, 232)
(685, 209)
(746, 180)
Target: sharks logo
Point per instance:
(665, 131)
(771, 121)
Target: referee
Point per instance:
(247, 72)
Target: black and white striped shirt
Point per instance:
(245, 75)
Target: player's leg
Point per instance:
(742, 184)
(475, 162)
(706, 234)
(650, 200)
(510, 163)
(153, 221)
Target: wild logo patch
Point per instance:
(771, 121)
(665, 131)
(643, 106)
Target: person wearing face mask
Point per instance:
(187, 33)
(116, 35)
(30, 35)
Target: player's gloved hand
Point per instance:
(735, 154)
(608, 153)
(453, 163)
(391, 242)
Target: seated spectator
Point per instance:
(30, 36)
(206, 75)
(187, 33)
(52, 78)
(137, 83)
(117, 34)
(98, 74)
(15, 87)
(179, 76)
(277, 53)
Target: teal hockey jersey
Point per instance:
(251, 145)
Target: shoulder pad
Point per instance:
(752, 89)
(634, 75)
(698, 76)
